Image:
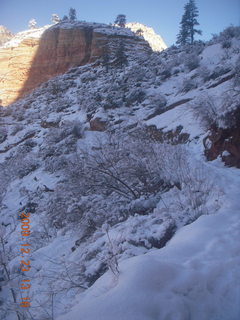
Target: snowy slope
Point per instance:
(111, 165)
(196, 276)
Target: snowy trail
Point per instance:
(196, 276)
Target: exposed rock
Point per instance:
(97, 124)
(225, 143)
(5, 35)
(34, 56)
(173, 136)
(154, 40)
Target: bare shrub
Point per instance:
(3, 134)
(236, 80)
(158, 101)
(27, 166)
(192, 178)
(226, 44)
(191, 61)
(204, 73)
(206, 111)
(188, 84)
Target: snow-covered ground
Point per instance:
(174, 240)
(196, 276)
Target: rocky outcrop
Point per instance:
(225, 142)
(97, 124)
(35, 56)
(5, 35)
(154, 40)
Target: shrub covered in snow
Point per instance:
(3, 134)
(191, 61)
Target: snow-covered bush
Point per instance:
(206, 111)
(166, 73)
(3, 134)
(53, 164)
(236, 80)
(157, 101)
(78, 129)
(226, 35)
(88, 76)
(226, 44)
(191, 61)
(188, 84)
(27, 166)
(204, 73)
(136, 95)
(229, 33)
(219, 71)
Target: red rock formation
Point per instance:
(34, 60)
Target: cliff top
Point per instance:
(154, 40)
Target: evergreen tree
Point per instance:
(121, 58)
(55, 18)
(32, 24)
(188, 24)
(139, 32)
(121, 20)
(72, 14)
(65, 18)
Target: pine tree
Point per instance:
(139, 32)
(32, 24)
(65, 18)
(188, 24)
(121, 20)
(121, 58)
(55, 18)
(72, 14)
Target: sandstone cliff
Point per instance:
(35, 56)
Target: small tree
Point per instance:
(32, 24)
(139, 32)
(121, 20)
(55, 18)
(65, 18)
(72, 14)
(188, 24)
(121, 58)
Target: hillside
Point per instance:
(129, 219)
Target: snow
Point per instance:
(196, 276)
(179, 116)
(19, 37)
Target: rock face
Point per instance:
(5, 35)
(37, 59)
(32, 57)
(154, 40)
(225, 143)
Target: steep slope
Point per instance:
(109, 161)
